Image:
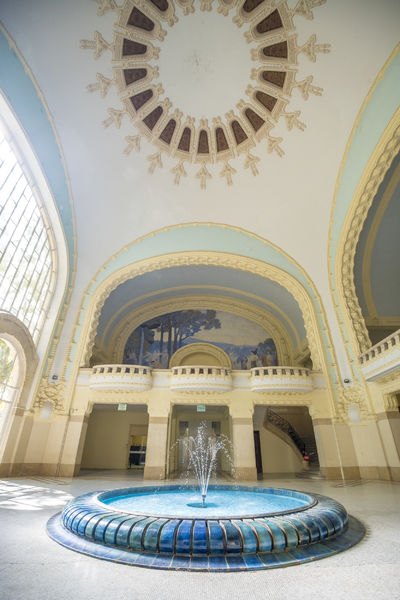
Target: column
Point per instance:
(241, 413)
(157, 435)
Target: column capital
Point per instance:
(241, 408)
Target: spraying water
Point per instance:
(202, 451)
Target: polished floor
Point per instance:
(33, 567)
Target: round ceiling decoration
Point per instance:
(268, 28)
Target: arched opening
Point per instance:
(10, 384)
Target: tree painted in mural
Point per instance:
(155, 341)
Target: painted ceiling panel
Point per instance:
(180, 281)
(376, 268)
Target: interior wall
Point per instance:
(277, 456)
(182, 413)
(107, 438)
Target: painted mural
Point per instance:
(154, 342)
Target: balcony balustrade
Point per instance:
(122, 377)
(382, 359)
(200, 378)
(192, 378)
(281, 379)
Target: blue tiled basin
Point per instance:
(285, 527)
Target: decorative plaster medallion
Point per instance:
(268, 28)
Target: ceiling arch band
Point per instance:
(373, 144)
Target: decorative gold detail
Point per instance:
(357, 214)
(203, 175)
(133, 143)
(304, 8)
(251, 162)
(311, 48)
(115, 118)
(348, 396)
(269, 25)
(99, 45)
(105, 6)
(155, 161)
(227, 172)
(52, 393)
(179, 172)
(370, 243)
(103, 85)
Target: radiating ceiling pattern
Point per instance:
(269, 29)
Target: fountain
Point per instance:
(202, 451)
(205, 527)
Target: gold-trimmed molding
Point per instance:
(95, 302)
(380, 160)
(346, 328)
(283, 343)
(370, 243)
(208, 288)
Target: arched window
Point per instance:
(9, 381)
(27, 252)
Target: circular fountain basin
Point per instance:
(221, 502)
(240, 528)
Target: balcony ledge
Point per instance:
(382, 359)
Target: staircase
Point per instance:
(305, 445)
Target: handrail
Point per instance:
(284, 425)
(386, 344)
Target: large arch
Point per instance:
(201, 244)
(373, 143)
(30, 123)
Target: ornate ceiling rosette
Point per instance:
(268, 27)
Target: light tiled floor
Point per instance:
(33, 567)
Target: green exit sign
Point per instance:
(201, 408)
(122, 407)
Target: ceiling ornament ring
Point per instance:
(269, 28)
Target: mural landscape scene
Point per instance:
(154, 342)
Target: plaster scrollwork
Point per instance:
(50, 393)
(348, 396)
(269, 26)
(361, 204)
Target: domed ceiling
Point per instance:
(210, 111)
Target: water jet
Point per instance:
(205, 527)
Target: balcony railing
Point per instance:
(200, 378)
(382, 359)
(125, 377)
(278, 379)
(196, 377)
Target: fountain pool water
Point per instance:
(205, 527)
(240, 528)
